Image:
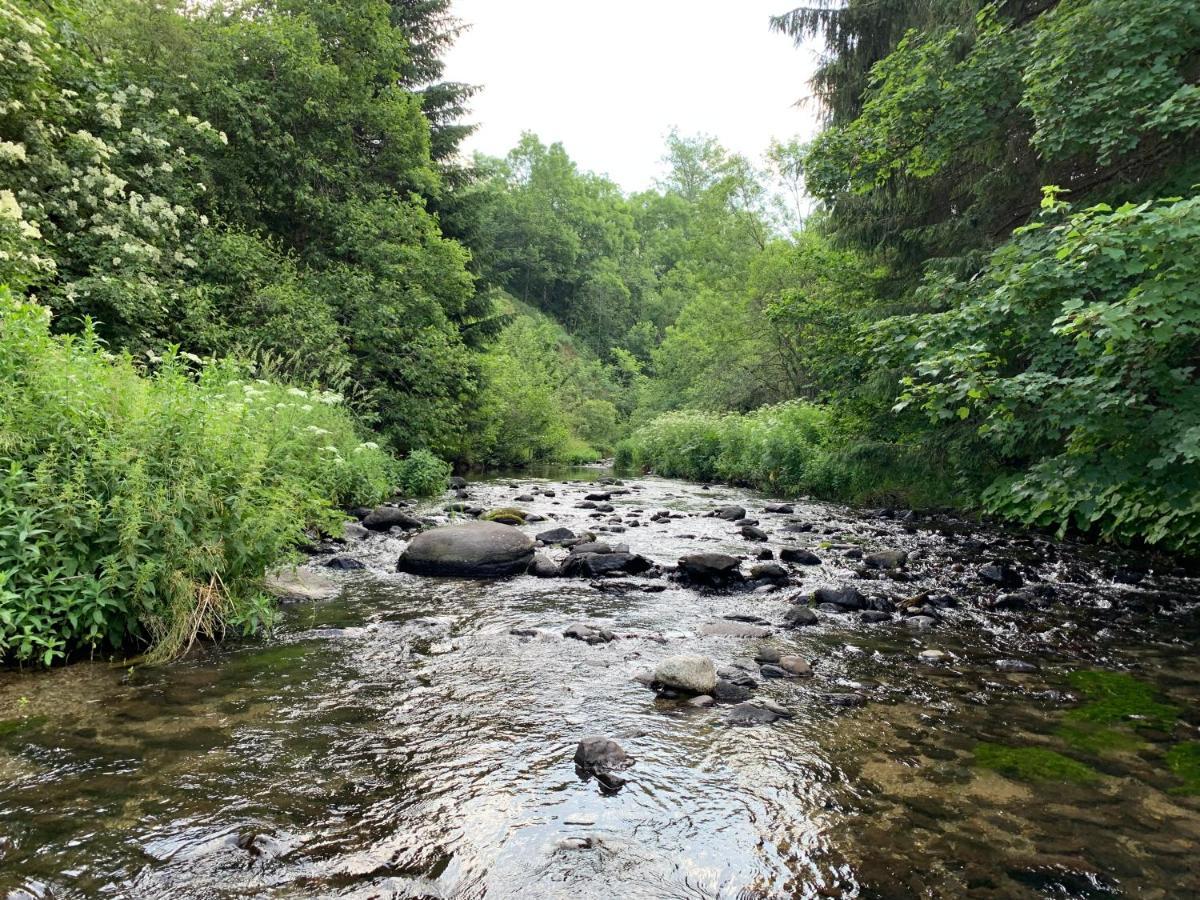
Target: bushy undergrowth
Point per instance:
(422, 474)
(141, 510)
(788, 449)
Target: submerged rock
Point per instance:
(751, 714)
(474, 550)
(589, 634)
(300, 584)
(691, 673)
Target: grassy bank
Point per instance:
(141, 504)
(788, 450)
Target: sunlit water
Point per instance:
(400, 742)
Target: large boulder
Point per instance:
(473, 550)
(687, 672)
(730, 513)
(711, 569)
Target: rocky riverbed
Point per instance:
(691, 691)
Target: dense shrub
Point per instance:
(142, 508)
(422, 474)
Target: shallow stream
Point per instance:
(400, 741)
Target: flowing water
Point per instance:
(400, 741)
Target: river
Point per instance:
(400, 741)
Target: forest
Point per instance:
(250, 280)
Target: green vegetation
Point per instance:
(1117, 698)
(1184, 761)
(1033, 764)
(422, 474)
(142, 503)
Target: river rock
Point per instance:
(796, 665)
(730, 513)
(886, 559)
(592, 547)
(353, 531)
(799, 616)
(384, 517)
(589, 634)
(752, 533)
(505, 516)
(846, 597)
(473, 550)
(920, 623)
(556, 536)
(691, 673)
(1015, 665)
(601, 754)
(456, 482)
(745, 714)
(772, 572)
(734, 629)
(778, 508)
(710, 569)
(844, 699)
(799, 556)
(1002, 575)
(701, 702)
(301, 584)
(595, 565)
(544, 567)
(728, 692)
(345, 563)
(599, 495)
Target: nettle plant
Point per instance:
(100, 186)
(1073, 354)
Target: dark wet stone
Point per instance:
(746, 714)
(874, 616)
(594, 754)
(799, 616)
(769, 670)
(475, 550)
(592, 547)
(556, 536)
(778, 508)
(383, 518)
(592, 565)
(799, 556)
(770, 572)
(847, 597)
(1001, 575)
(766, 655)
(710, 569)
(1015, 600)
(797, 527)
(524, 498)
(456, 483)
(751, 533)
(345, 563)
(765, 554)
(589, 634)
(730, 513)
(728, 692)
(599, 495)
(524, 632)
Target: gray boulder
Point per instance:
(886, 559)
(731, 513)
(384, 517)
(556, 536)
(474, 550)
(690, 673)
(544, 567)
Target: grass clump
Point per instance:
(1033, 764)
(140, 508)
(788, 449)
(1184, 761)
(1114, 697)
(1098, 739)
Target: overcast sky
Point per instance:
(610, 79)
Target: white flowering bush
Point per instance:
(140, 504)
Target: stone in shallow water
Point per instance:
(384, 517)
(734, 629)
(730, 513)
(601, 753)
(799, 616)
(796, 665)
(751, 714)
(799, 556)
(687, 672)
(544, 567)
(845, 597)
(886, 559)
(474, 550)
(710, 569)
(1015, 665)
(589, 634)
(300, 584)
(556, 536)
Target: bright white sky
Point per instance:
(610, 79)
